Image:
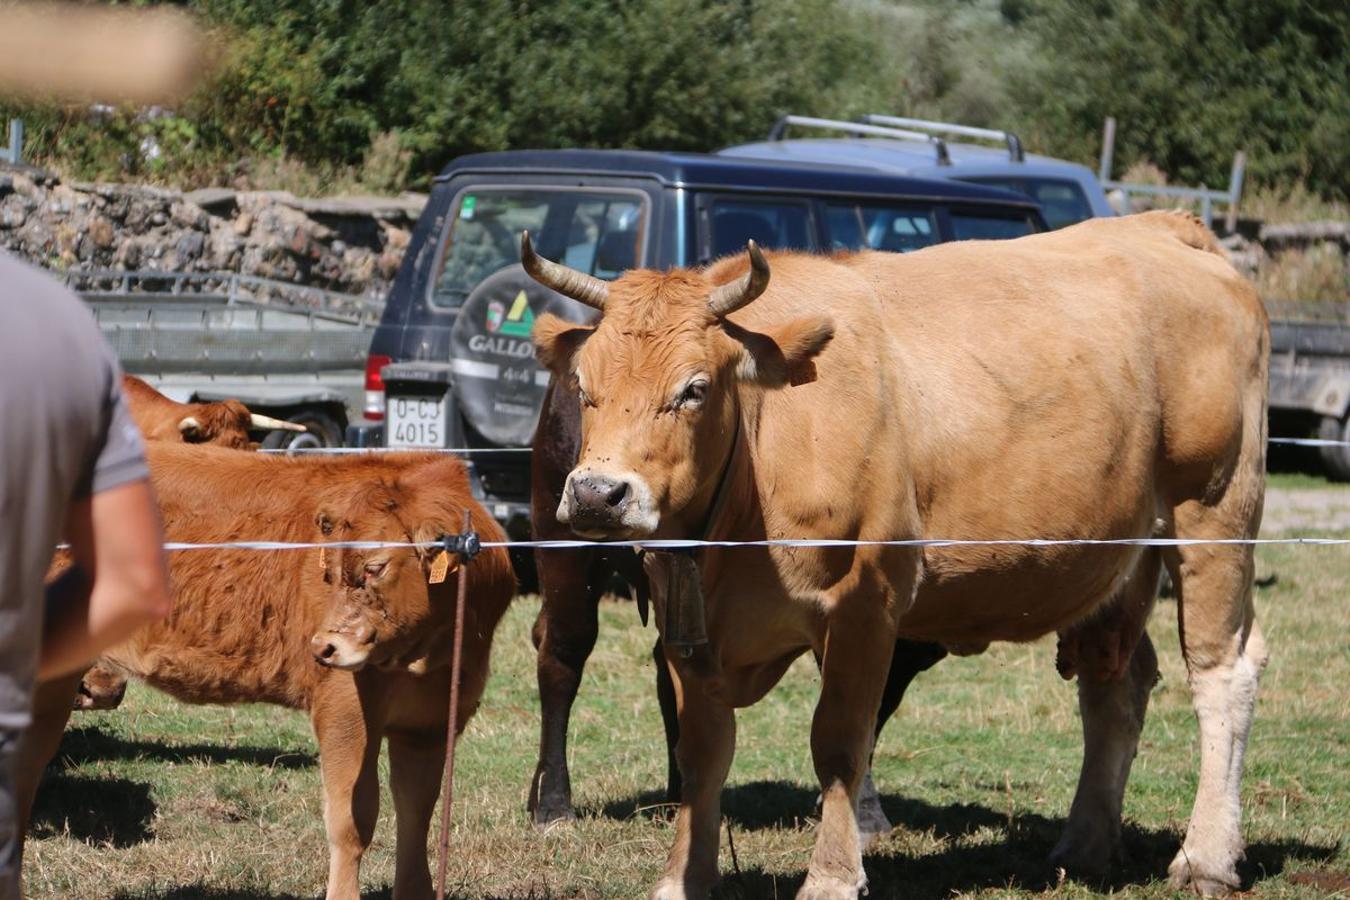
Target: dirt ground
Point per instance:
(1297, 509)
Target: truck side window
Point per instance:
(775, 224)
(857, 226)
(967, 226)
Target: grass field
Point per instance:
(159, 800)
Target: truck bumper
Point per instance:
(365, 434)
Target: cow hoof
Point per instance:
(1086, 855)
(872, 821)
(1189, 873)
(546, 816)
(819, 887)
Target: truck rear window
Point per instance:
(1062, 202)
(597, 232)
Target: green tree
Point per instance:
(1191, 81)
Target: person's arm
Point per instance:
(117, 583)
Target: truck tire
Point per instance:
(1336, 460)
(323, 432)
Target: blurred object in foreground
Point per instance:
(78, 53)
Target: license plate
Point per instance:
(416, 421)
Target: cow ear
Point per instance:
(437, 563)
(556, 341)
(784, 355)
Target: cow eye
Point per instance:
(585, 397)
(693, 395)
(375, 569)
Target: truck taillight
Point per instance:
(374, 408)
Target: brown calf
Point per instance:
(357, 638)
(225, 423)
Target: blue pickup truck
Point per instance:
(451, 364)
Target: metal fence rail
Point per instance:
(1203, 196)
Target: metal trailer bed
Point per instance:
(1310, 375)
(286, 350)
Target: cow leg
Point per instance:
(349, 750)
(670, 718)
(706, 745)
(1224, 653)
(564, 635)
(857, 648)
(908, 660)
(1116, 668)
(416, 761)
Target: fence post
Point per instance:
(1108, 149)
(1235, 190)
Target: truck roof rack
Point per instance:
(1015, 151)
(781, 126)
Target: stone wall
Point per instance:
(352, 245)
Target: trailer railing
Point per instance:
(229, 288)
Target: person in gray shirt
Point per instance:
(72, 469)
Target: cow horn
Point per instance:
(730, 297)
(267, 423)
(579, 286)
(189, 424)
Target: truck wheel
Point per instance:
(323, 432)
(1336, 460)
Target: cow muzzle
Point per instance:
(348, 649)
(607, 505)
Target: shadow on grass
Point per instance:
(758, 805)
(93, 744)
(202, 892)
(1018, 860)
(95, 810)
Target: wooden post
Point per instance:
(448, 779)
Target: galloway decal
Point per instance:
(503, 346)
(517, 323)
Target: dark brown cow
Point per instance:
(357, 638)
(224, 422)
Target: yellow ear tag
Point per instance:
(323, 558)
(440, 567)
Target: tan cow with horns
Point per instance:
(1103, 381)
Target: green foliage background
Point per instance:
(381, 95)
